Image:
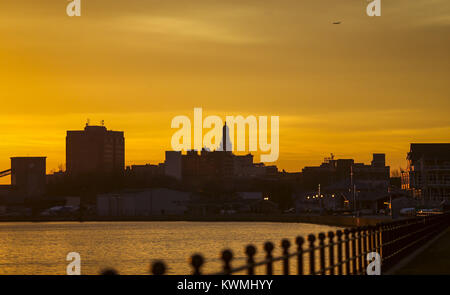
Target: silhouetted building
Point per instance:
(220, 163)
(172, 164)
(243, 165)
(28, 177)
(359, 185)
(145, 172)
(190, 164)
(428, 172)
(207, 164)
(374, 177)
(55, 177)
(95, 150)
(379, 160)
(5, 190)
(147, 202)
(395, 183)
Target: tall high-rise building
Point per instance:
(95, 150)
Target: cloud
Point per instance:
(188, 29)
(441, 20)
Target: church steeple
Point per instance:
(225, 144)
(224, 137)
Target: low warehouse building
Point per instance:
(147, 202)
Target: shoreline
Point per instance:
(343, 221)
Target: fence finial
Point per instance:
(322, 252)
(339, 251)
(331, 235)
(331, 252)
(109, 272)
(227, 255)
(250, 250)
(300, 241)
(268, 247)
(285, 244)
(158, 268)
(197, 262)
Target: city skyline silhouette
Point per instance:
(366, 85)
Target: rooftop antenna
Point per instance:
(87, 122)
(329, 159)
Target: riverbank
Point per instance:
(343, 221)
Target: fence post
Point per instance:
(365, 248)
(299, 241)
(312, 269)
(377, 238)
(354, 265)
(331, 252)
(322, 253)
(407, 241)
(347, 251)
(384, 246)
(360, 231)
(268, 247)
(197, 262)
(339, 251)
(250, 250)
(370, 231)
(227, 256)
(285, 244)
(400, 225)
(390, 239)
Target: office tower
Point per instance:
(95, 150)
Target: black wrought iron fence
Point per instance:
(341, 252)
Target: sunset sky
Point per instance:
(367, 85)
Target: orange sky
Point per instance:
(367, 85)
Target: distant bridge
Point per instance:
(5, 173)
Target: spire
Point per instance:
(224, 136)
(225, 144)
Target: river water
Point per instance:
(129, 247)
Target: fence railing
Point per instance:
(341, 252)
